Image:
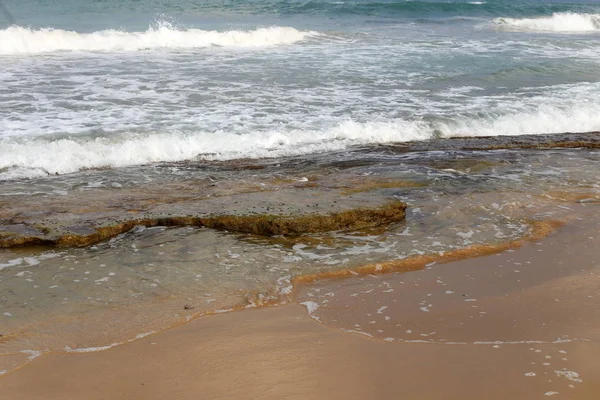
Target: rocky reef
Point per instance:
(260, 224)
(286, 197)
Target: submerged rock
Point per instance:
(259, 224)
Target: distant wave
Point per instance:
(20, 40)
(558, 22)
(406, 8)
(31, 157)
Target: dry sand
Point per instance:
(523, 324)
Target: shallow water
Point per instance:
(120, 110)
(151, 278)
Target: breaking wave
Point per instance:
(31, 157)
(558, 22)
(21, 40)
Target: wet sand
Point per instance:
(522, 324)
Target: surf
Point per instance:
(35, 157)
(23, 40)
(557, 22)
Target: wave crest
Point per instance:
(27, 158)
(20, 40)
(558, 22)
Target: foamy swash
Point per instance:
(19, 40)
(558, 22)
(25, 158)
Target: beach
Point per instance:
(299, 199)
(520, 324)
(495, 295)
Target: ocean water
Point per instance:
(106, 84)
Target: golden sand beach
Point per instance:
(520, 324)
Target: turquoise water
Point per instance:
(88, 84)
(70, 13)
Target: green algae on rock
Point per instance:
(567, 140)
(353, 219)
(260, 224)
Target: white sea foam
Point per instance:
(38, 157)
(90, 349)
(33, 354)
(356, 332)
(30, 261)
(558, 22)
(569, 375)
(21, 40)
(311, 307)
(31, 157)
(11, 263)
(142, 335)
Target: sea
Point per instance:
(113, 108)
(89, 84)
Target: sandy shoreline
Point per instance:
(522, 324)
(305, 200)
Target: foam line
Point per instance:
(558, 22)
(21, 40)
(28, 157)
